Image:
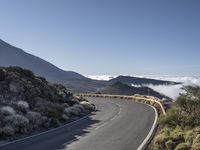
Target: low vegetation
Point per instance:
(180, 128)
(30, 104)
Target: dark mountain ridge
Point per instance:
(119, 88)
(140, 81)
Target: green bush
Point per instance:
(189, 136)
(169, 144)
(160, 139)
(183, 123)
(178, 134)
(196, 143)
(171, 119)
(159, 142)
(183, 146)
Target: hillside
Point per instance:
(75, 82)
(180, 128)
(29, 103)
(12, 56)
(139, 81)
(119, 88)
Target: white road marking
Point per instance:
(141, 147)
(113, 118)
(101, 125)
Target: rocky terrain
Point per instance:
(29, 103)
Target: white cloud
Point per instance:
(186, 80)
(101, 77)
(174, 90)
(170, 90)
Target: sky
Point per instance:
(136, 37)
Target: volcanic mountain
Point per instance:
(13, 56)
(75, 82)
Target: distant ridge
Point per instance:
(119, 88)
(139, 81)
(13, 56)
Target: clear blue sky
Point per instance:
(159, 37)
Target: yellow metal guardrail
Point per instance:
(144, 99)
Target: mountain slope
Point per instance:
(139, 81)
(119, 88)
(12, 56)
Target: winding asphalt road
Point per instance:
(115, 125)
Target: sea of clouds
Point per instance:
(170, 90)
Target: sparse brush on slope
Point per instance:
(29, 103)
(180, 128)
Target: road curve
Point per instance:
(115, 125)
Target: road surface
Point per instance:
(115, 125)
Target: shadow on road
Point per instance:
(79, 129)
(55, 139)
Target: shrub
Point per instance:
(35, 119)
(7, 110)
(72, 111)
(169, 144)
(51, 110)
(183, 146)
(178, 134)
(18, 122)
(79, 107)
(171, 119)
(189, 104)
(21, 71)
(22, 106)
(87, 105)
(7, 131)
(45, 122)
(65, 117)
(189, 136)
(159, 142)
(65, 105)
(161, 139)
(196, 143)
(53, 122)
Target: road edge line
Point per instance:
(51, 130)
(149, 136)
